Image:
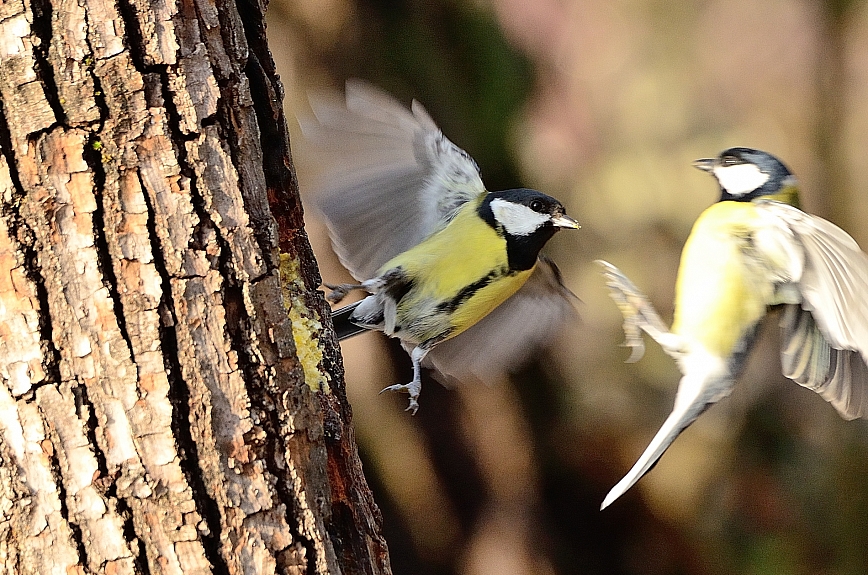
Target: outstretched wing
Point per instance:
(825, 343)
(393, 177)
(509, 336)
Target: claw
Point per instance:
(637, 349)
(620, 290)
(639, 315)
(340, 291)
(410, 388)
(414, 388)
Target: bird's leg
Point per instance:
(639, 315)
(414, 388)
(340, 291)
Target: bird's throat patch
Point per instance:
(740, 179)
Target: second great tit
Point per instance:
(753, 249)
(441, 256)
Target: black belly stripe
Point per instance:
(467, 292)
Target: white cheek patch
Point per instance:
(516, 219)
(740, 179)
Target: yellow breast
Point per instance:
(720, 294)
(464, 266)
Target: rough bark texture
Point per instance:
(159, 410)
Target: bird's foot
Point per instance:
(340, 291)
(639, 315)
(414, 388)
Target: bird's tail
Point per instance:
(344, 328)
(695, 395)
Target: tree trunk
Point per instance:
(160, 411)
(831, 113)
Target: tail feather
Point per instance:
(696, 393)
(344, 328)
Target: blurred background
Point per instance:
(604, 105)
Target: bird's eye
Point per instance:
(537, 205)
(729, 161)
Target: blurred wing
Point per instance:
(825, 345)
(392, 179)
(510, 335)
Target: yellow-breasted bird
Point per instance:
(453, 270)
(753, 249)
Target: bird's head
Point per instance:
(525, 212)
(527, 219)
(745, 174)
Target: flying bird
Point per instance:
(751, 250)
(452, 270)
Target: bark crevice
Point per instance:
(41, 26)
(137, 544)
(93, 158)
(23, 239)
(264, 404)
(76, 534)
(132, 38)
(84, 409)
(98, 92)
(179, 397)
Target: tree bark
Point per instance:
(172, 393)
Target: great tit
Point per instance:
(751, 250)
(453, 270)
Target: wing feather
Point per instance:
(393, 177)
(809, 360)
(825, 340)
